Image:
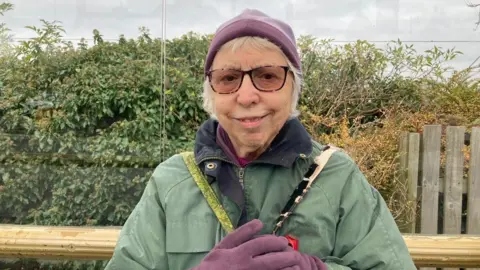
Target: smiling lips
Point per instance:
(250, 122)
(254, 119)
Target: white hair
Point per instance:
(258, 43)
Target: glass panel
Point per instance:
(81, 112)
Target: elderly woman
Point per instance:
(257, 192)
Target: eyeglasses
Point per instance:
(265, 79)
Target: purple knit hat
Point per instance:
(252, 22)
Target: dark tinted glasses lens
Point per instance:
(225, 81)
(268, 78)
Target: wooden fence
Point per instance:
(441, 167)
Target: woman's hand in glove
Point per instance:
(243, 250)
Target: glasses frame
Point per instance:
(286, 69)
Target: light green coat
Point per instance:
(342, 220)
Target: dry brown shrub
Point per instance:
(452, 101)
(374, 146)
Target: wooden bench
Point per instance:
(97, 243)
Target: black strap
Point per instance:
(298, 191)
(297, 194)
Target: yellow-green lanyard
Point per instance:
(208, 192)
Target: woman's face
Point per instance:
(251, 118)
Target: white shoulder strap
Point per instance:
(321, 161)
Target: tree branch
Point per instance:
(469, 4)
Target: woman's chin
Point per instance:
(253, 141)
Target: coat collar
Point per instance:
(290, 142)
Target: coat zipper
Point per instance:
(241, 173)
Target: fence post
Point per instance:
(431, 145)
(454, 167)
(473, 204)
(412, 175)
(402, 177)
(409, 149)
(473, 207)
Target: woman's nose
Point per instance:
(247, 94)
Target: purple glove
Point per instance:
(301, 261)
(305, 261)
(243, 250)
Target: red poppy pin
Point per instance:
(293, 242)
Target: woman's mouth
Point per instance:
(250, 122)
(250, 119)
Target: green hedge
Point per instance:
(98, 112)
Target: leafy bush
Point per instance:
(97, 111)
(4, 35)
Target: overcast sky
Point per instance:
(425, 23)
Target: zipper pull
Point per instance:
(241, 173)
